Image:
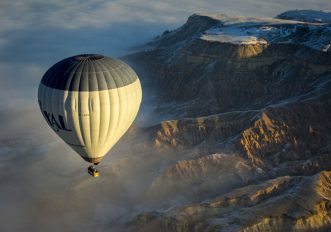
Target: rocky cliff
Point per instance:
(248, 146)
(287, 203)
(223, 66)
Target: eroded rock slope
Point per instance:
(248, 146)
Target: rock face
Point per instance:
(188, 132)
(210, 175)
(248, 148)
(296, 131)
(282, 204)
(207, 74)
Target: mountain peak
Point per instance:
(307, 28)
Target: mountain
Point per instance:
(218, 63)
(307, 16)
(287, 203)
(247, 143)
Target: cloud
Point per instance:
(76, 14)
(32, 30)
(40, 173)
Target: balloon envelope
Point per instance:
(90, 101)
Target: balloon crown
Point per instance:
(85, 57)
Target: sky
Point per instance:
(35, 34)
(43, 30)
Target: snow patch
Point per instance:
(232, 35)
(326, 48)
(246, 31)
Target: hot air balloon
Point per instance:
(90, 101)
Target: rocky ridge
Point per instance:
(287, 203)
(248, 146)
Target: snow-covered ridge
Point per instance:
(234, 35)
(248, 30)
